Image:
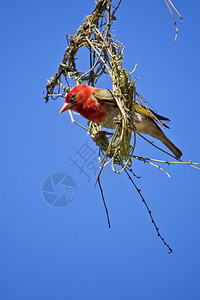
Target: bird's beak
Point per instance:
(65, 107)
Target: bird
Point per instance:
(99, 106)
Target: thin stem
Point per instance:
(104, 202)
(149, 212)
(176, 28)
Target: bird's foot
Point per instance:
(100, 138)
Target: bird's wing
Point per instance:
(105, 95)
(151, 114)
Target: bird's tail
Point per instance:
(149, 126)
(175, 150)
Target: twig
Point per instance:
(104, 202)
(189, 163)
(102, 166)
(149, 212)
(73, 121)
(116, 8)
(68, 63)
(98, 54)
(175, 10)
(176, 34)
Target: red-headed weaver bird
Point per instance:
(99, 106)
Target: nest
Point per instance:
(106, 56)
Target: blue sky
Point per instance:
(68, 252)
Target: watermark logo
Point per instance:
(59, 189)
(86, 161)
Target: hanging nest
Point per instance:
(105, 55)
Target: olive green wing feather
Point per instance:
(150, 113)
(106, 96)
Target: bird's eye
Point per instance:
(72, 98)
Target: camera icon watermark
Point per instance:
(59, 189)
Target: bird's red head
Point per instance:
(77, 96)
